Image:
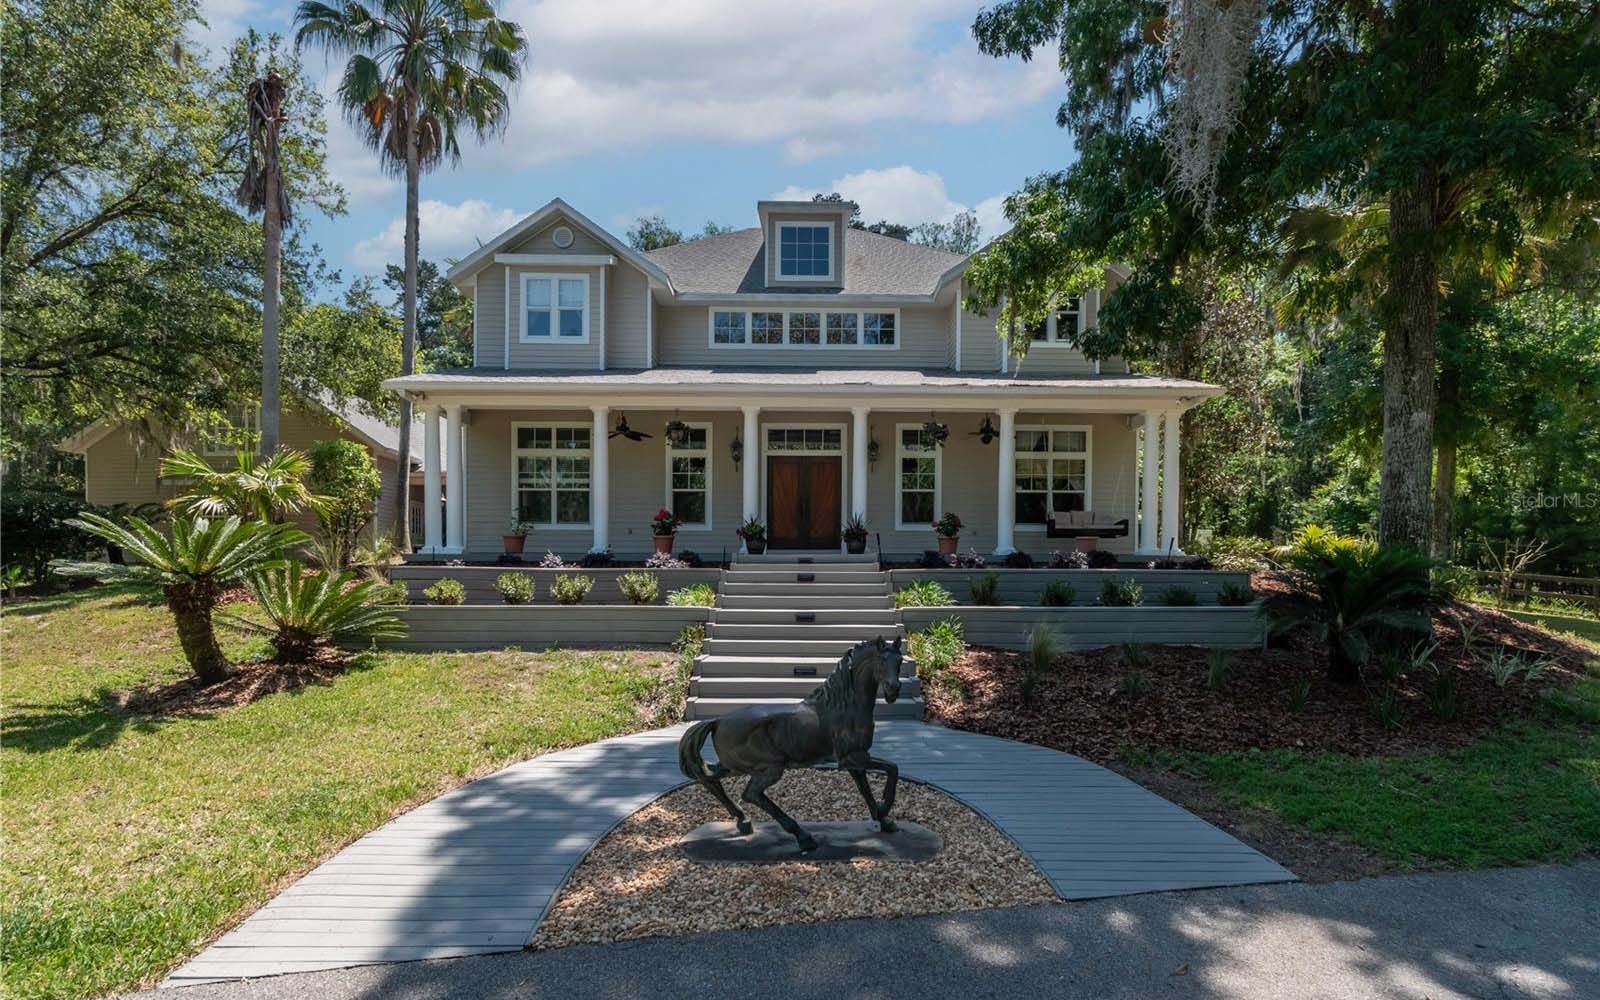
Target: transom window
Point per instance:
(820, 439)
(552, 468)
(1052, 471)
(916, 477)
(1060, 326)
(805, 250)
(555, 308)
(804, 329)
(689, 477)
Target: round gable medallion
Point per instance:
(562, 237)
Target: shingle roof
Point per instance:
(873, 265)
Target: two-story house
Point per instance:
(807, 359)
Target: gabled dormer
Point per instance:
(804, 242)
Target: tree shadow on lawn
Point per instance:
(129, 595)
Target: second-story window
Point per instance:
(555, 308)
(804, 328)
(1060, 326)
(805, 250)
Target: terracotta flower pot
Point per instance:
(1088, 543)
(948, 543)
(514, 544)
(664, 543)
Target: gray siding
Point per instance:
(1090, 628)
(683, 334)
(837, 222)
(432, 628)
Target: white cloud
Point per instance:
(992, 216)
(904, 195)
(617, 76)
(446, 231)
(224, 21)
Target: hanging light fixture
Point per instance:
(623, 430)
(737, 448)
(986, 431)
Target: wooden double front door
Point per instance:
(803, 501)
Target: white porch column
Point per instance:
(1148, 539)
(752, 462)
(455, 490)
(1005, 494)
(858, 462)
(1172, 477)
(600, 480)
(430, 479)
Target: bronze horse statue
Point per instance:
(833, 723)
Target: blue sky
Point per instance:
(695, 109)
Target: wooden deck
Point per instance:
(473, 871)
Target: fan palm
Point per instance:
(1348, 591)
(265, 489)
(192, 568)
(306, 610)
(419, 71)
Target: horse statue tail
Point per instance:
(690, 744)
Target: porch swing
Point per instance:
(1083, 523)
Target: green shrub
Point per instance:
(1237, 553)
(1299, 696)
(696, 595)
(307, 611)
(1442, 701)
(639, 588)
(1058, 594)
(570, 588)
(923, 594)
(344, 474)
(1135, 656)
(1179, 597)
(1122, 593)
(1134, 684)
(33, 522)
(446, 591)
(1387, 710)
(1219, 669)
(1235, 595)
(986, 590)
(950, 684)
(514, 588)
(938, 646)
(1043, 648)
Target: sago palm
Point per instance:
(306, 610)
(419, 71)
(266, 489)
(192, 567)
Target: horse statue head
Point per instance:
(881, 660)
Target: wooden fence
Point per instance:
(1584, 590)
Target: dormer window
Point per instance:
(805, 251)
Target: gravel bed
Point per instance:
(636, 882)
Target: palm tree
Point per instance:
(263, 489)
(191, 567)
(262, 191)
(419, 71)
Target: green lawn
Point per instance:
(1529, 792)
(129, 841)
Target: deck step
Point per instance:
(788, 616)
(851, 633)
(804, 558)
(835, 647)
(805, 602)
(817, 575)
(710, 708)
(774, 687)
(796, 587)
(736, 664)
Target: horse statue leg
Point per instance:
(693, 766)
(858, 764)
(755, 793)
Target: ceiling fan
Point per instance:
(625, 431)
(986, 431)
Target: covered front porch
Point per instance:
(587, 466)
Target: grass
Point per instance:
(1529, 792)
(131, 841)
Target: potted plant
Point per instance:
(754, 534)
(516, 535)
(855, 534)
(664, 526)
(948, 528)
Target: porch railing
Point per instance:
(416, 525)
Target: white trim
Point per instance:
(958, 328)
(649, 327)
(505, 331)
(554, 308)
(474, 322)
(556, 259)
(776, 246)
(765, 431)
(554, 453)
(1049, 493)
(1053, 338)
(822, 345)
(938, 480)
(555, 206)
(243, 420)
(602, 316)
(710, 456)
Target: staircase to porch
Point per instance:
(780, 625)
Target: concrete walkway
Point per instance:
(1516, 933)
(473, 871)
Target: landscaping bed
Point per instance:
(637, 882)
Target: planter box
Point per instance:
(539, 626)
(1093, 627)
(1022, 587)
(479, 581)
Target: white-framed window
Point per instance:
(1053, 471)
(551, 463)
(243, 430)
(555, 308)
(805, 251)
(689, 478)
(1061, 325)
(804, 329)
(815, 439)
(916, 478)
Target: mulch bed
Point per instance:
(638, 883)
(249, 682)
(1083, 709)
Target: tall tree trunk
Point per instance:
(191, 605)
(408, 349)
(1444, 471)
(272, 237)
